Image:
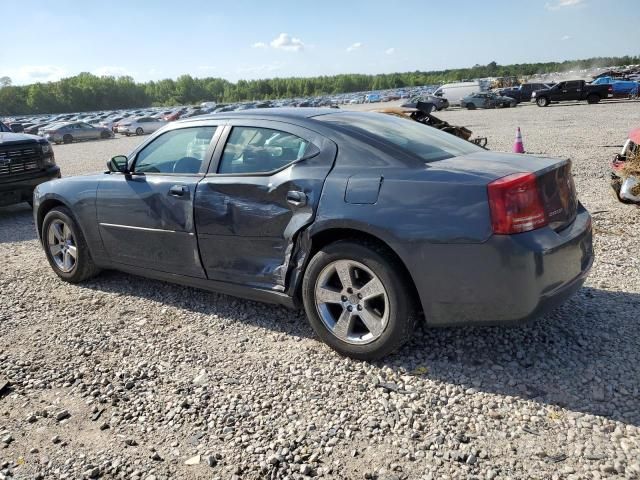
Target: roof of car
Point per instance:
(280, 112)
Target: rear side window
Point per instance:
(260, 150)
(427, 143)
(177, 151)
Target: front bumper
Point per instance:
(508, 279)
(17, 189)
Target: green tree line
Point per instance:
(87, 92)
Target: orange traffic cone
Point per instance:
(518, 147)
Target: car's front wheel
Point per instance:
(67, 138)
(139, 131)
(470, 106)
(542, 101)
(358, 299)
(66, 247)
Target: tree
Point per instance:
(87, 92)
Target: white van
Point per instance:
(454, 92)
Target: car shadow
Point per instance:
(16, 223)
(273, 317)
(584, 356)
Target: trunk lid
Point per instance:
(554, 178)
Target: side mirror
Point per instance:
(118, 164)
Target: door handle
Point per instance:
(178, 191)
(296, 198)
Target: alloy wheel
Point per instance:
(352, 302)
(62, 246)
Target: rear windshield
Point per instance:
(427, 143)
(4, 128)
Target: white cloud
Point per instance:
(34, 73)
(259, 45)
(566, 37)
(390, 51)
(110, 71)
(284, 41)
(558, 4)
(355, 46)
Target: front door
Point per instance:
(146, 217)
(263, 188)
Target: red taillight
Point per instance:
(515, 204)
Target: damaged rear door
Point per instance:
(263, 187)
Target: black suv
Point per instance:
(25, 162)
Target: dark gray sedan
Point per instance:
(75, 131)
(367, 220)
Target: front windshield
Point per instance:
(427, 143)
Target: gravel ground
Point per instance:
(123, 377)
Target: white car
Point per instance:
(140, 125)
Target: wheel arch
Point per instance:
(316, 240)
(45, 207)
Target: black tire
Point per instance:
(542, 101)
(593, 98)
(471, 106)
(399, 290)
(67, 139)
(84, 268)
(139, 131)
(105, 135)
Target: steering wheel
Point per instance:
(187, 165)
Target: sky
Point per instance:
(246, 39)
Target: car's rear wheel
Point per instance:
(542, 101)
(139, 131)
(470, 106)
(105, 135)
(67, 138)
(593, 98)
(66, 247)
(358, 299)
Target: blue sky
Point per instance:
(157, 39)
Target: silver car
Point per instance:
(140, 126)
(74, 131)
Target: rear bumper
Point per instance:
(509, 279)
(20, 189)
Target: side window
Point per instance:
(260, 150)
(177, 151)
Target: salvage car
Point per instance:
(25, 161)
(75, 131)
(139, 126)
(575, 90)
(620, 87)
(486, 100)
(368, 220)
(439, 103)
(522, 93)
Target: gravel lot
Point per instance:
(129, 378)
